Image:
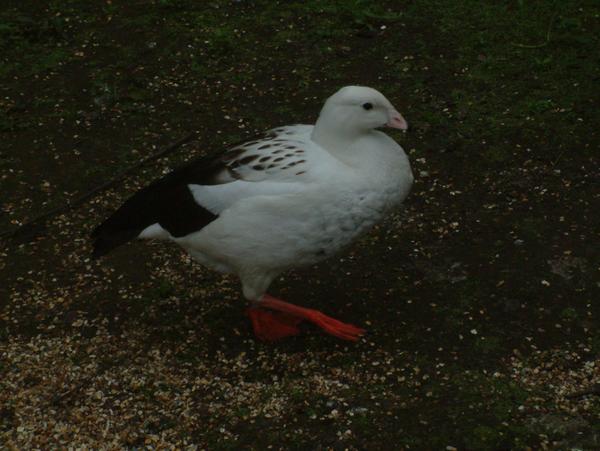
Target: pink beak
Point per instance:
(397, 121)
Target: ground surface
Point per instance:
(480, 297)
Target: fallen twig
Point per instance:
(543, 44)
(93, 192)
(594, 390)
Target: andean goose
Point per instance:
(291, 198)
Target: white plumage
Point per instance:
(296, 196)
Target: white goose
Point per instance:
(292, 198)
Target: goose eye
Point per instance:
(367, 106)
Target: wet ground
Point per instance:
(480, 297)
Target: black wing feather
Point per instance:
(167, 201)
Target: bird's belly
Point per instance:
(336, 226)
(300, 231)
(331, 237)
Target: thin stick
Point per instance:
(594, 390)
(117, 178)
(543, 44)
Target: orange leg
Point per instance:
(273, 319)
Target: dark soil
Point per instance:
(480, 297)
